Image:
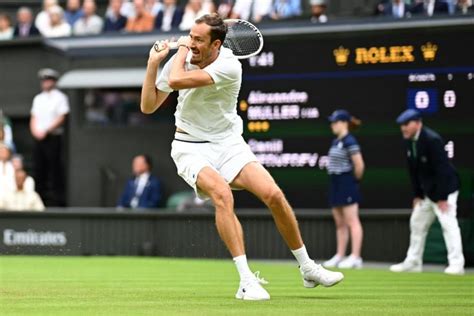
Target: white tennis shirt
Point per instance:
(47, 107)
(209, 112)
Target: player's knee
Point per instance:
(223, 198)
(274, 197)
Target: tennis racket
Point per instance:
(243, 38)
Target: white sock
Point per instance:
(243, 267)
(301, 255)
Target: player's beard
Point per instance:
(200, 57)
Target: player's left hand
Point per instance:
(443, 206)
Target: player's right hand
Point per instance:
(159, 51)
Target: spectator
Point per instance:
(58, 27)
(127, 9)
(17, 162)
(169, 17)
(153, 7)
(463, 7)
(193, 10)
(225, 8)
(114, 20)
(285, 9)
(73, 12)
(21, 199)
(25, 27)
(90, 23)
(429, 7)
(42, 21)
(252, 10)
(7, 133)
(143, 190)
(7, 173)
(142, 21)
(396, 8)
(6, 29)
(48, 115)
(318, 11)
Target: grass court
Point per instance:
(163, 286)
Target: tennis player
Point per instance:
(209, 151)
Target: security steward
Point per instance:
(48, 115)
(436, 187)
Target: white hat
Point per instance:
(317, 2)
(48, 73)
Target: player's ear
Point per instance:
(217, 43)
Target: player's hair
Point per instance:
(218, 27)
(354, 123)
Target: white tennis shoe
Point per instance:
(351, 262)
(251, 289)
(314, 274)
(406, 266)
(454, 270)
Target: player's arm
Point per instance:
(180, 78)
(151, 97)
(359, 166)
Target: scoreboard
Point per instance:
(291, 87)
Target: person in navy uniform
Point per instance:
(435, 186)
(143, 190)
(346, 167)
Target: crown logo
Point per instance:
(243, 105)
(342, 55)
(429, 51)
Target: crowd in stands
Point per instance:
(80, 17)
(48, 114)
(404, 9)
(17, 188)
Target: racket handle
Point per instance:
(173, 45)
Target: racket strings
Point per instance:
(243, 39)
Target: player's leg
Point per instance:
(228, 226)
(213, 185)
(420, 221)
(255, 179)
(342, 237)
(351, 218)
(452, 235)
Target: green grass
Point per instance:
(160, 286)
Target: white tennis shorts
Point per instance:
(191, 155)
